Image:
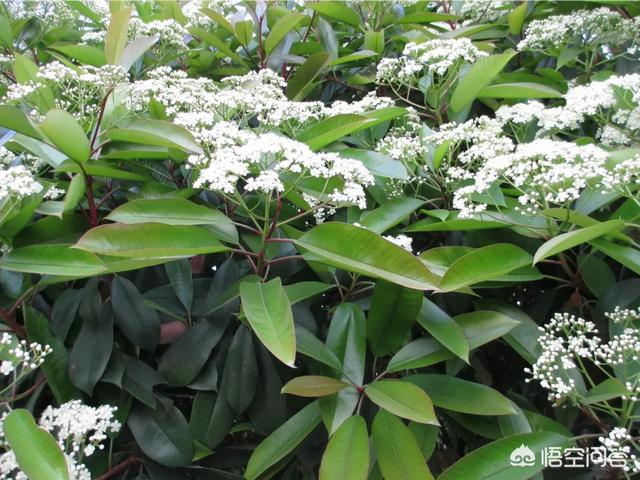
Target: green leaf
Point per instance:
(347, 454)
(56, 364)
(334, 128)
(6, 36)
(347, 337)
(516, 18)
(425, 17)
(170, 211)
(337, 11)
(519, 90)
(181, 279)
(607, 390)
(240, 372)
(146, 240)
(444, 329)
(362, 251)
(283, 441)
(303, 290)
(479, 327)
(399, 456)
(390, 214)
(280, 30)
(403, 399)
(313, 386)
(211, 418)
(184, 359)
(477, 78)
(85, 54)
(116, 38)
(268, 311)
(66, 134)
(216, 42)
(571, 239)
(459, 395)
(627, 256)
(162, 434)
(37, 452)
(135, 50)
(492, 461)
(98, 168)
(91, 351)
(483, 264)
(139, 323)
(243, 30)
(52, 260)
(308, 344)
(159, 133)
(14, 119)
(75, 193)
(393, 311)
(300, 83)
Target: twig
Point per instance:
(119, 468)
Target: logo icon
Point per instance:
(522, 456)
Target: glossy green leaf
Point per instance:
(145, 240)
(116, 38)
(181, 280)
(91, 351)
(183, 360)
(86, 54)
(519, 90)
(135, 50)
(37, 452)
(393, 311)
(479, 327)
(347, 454)
(170, 211)
(56, 364)
(492, 461)
(14, 119)
(75, 193)
(139, 323)
(444, 329)
(606, 390)
(283, 441)
(268, 311)
(313, 386)
(159, 133)
(627, 256)
(303, 290)
(459, 395)
(399, 456)
(52, 260)
(390, 214)
(568, 240)
(337, 11)
(66, 134)
(362, 251)
(300, 83)
(162, 433)
(477, 78)
(484, 264)
(308, 344)
(282, 27)
(240, 372)
(403, 399)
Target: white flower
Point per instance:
(17, 182)
(401, 240)
(6, 367)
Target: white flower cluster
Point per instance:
(547, 171)
(27, 356)
(263, 160)
(567, 340)
(78, 90)
(17, 182)
(563, 339)
(620, 441)
(601, 26)
(79, 430)
(477, 11)
(404, 143)
(403, 241)
(434, 57)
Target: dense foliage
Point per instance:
(318, 239)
